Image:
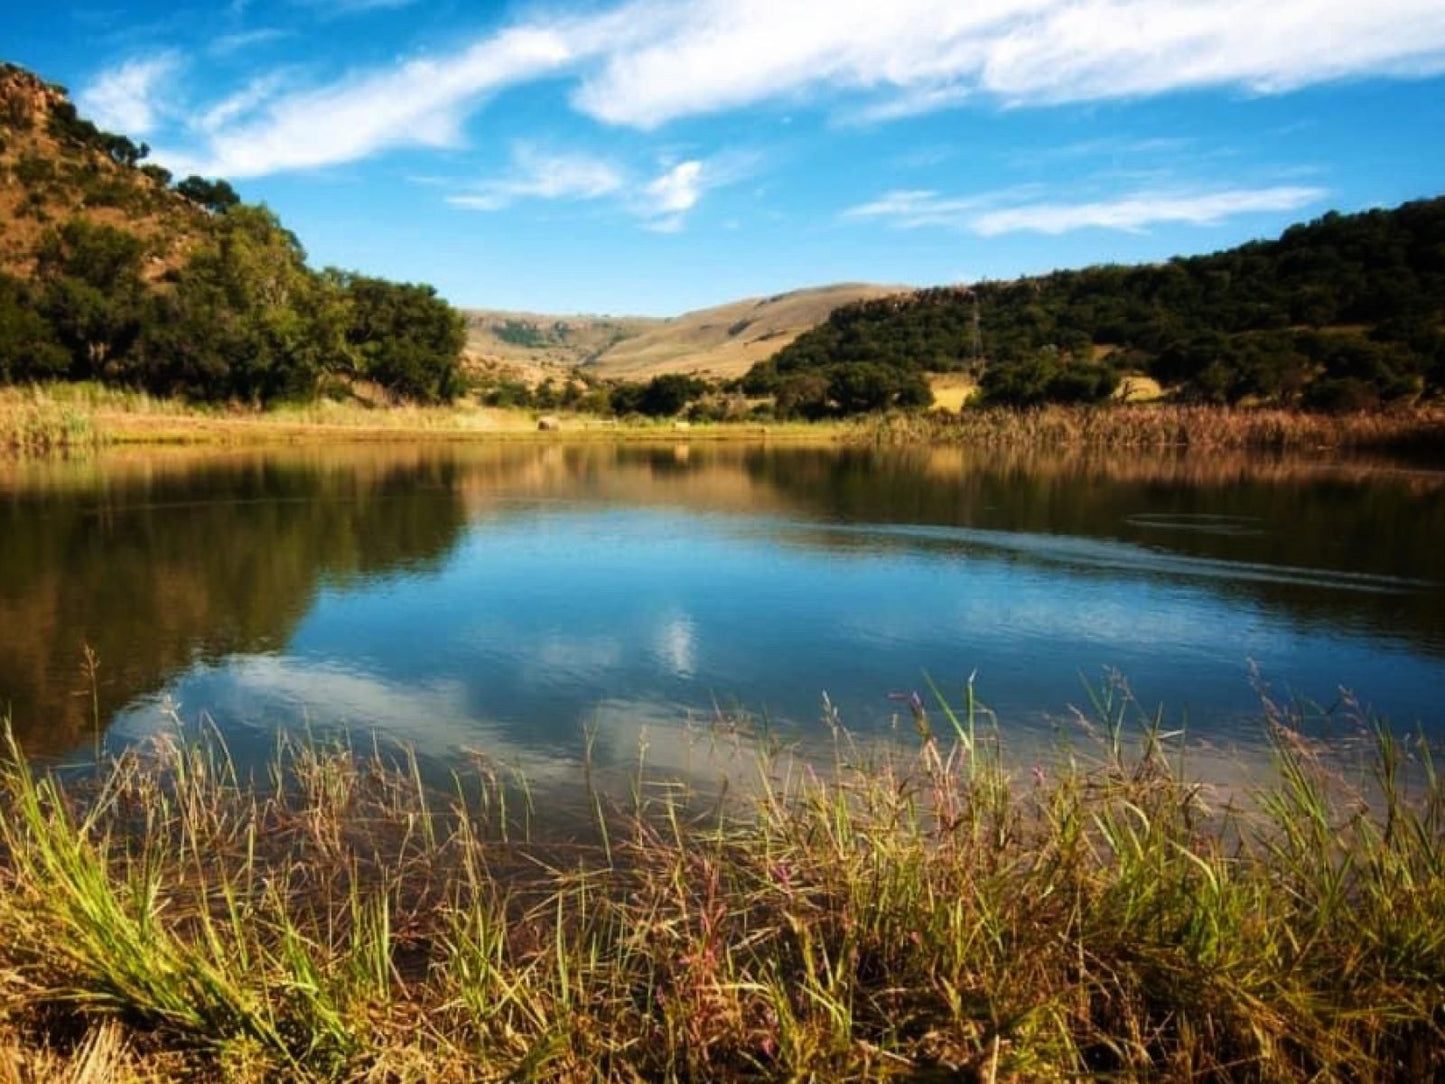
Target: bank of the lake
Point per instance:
(61, 417)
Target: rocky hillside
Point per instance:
(56, 167)
(111, 273)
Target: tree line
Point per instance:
(1342, 312)
(244, 318)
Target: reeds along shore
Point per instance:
(931, 915)
(1170, 426)
(70, 417)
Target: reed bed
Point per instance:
(32, 421)
(1153, 425)
(921, 914)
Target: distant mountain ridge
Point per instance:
(723, 341)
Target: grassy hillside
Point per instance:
(532, 340)
(724, 341)
(1344, 312)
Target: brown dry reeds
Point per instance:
(1151, 425)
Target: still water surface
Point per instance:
(509, 598)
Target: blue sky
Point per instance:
(651, 157)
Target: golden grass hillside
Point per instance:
(724, 341)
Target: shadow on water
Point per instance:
(511, 596)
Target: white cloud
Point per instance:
(245, 101)
(990, 214)
(661, 202)
(909, 103)
(537, 175)
(668, 198)
(421, 102)
(227, 44)
(646, 62)
(124, 98)
(719, 54)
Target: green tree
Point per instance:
(247, 318)
(28, 348)
(403, 337)
(92, 294)
(215, 196)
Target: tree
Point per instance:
(215, 196)
(403, 337)
(1219, 327)
(91, 294)
(666, 395)
(247, 318)
(28, 348)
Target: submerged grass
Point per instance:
(924, 915)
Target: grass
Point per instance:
(71, 416)
(59, 417)
(1159, 425)
(924, 914)
(32, 421)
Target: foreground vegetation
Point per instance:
(931, 915)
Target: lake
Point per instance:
(515, 598)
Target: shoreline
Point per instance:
(63, 418)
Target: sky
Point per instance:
(648, 157)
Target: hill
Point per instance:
(1343, 312)
(56, 167)
(722, 342)
(111, 272)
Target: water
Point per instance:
(510, 598)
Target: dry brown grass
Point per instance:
(1165, 426)
(951, 390)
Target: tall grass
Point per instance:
(928, 914)
(33, 421)
(1156, 425)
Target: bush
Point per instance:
(1047, 378)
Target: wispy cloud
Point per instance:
(539, 175)
(647, 62)
(991, 214)
(661, 202)
(719, 54)
(338, 8)
(227, 44)
(420, 103)
(245, 101)
(912, 102)
(127, 97)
